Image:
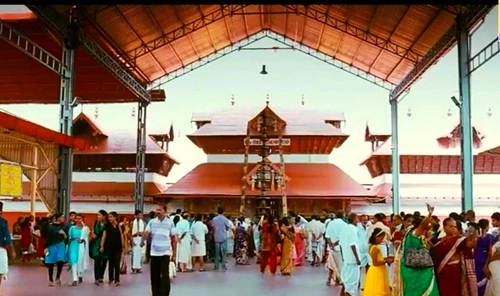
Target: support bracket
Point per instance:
(51, 17)
(29, 47)
(330, 60)
(473, 14)
(484, 55)
(207, 60)
(140, 157)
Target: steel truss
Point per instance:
(446, 43)
(202, 22)
(354, 31)
(484, 55)
(278, 38)
(330, 60)
(140, 157)
(207, 60)
(52, 18)
(23, 43)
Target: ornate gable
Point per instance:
(452, 140)
(273, 122)
(274, 175)
(86, 128)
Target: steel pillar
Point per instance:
(65, 160)
(140, 156)
(396, 201)
(467, 158)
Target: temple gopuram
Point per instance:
(268, 158)
(430, 173)
(104, 174)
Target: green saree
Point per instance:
(414, 281)
(95, 244)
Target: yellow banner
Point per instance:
(11, 180)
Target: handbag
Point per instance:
(416, 257)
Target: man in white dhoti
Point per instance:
(5, 245)
(184, 243)
(138, 227)
(363, 247)
(349, 243)
(198, 233)
(317, 231)
(332, 235)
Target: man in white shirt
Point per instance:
(349, 243)
(184, 243)
(332, 235)
(138, 228)
(363, 247)
(317, 230)
(164, 236)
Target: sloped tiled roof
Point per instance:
(299, 121)
(310, 180)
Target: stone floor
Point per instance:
(237, 281)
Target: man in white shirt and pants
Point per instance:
(317, 230)
(332, 236)
(349, 243)
(138, 228)
(163, 233)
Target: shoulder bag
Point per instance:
(416, 257)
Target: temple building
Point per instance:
(104, 174)
(430, 173)
(288, 149)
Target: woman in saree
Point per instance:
(287, 242)
(26, 239)
(300, 241)
(481, 254)
(95, 252)
(410, 281)
(493, 271)
(241, 242)
(268, 251)
(78, 255)
(454, 261)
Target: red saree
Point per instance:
(454, 277)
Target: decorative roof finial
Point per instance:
(232, 100)
(133, 112)
(303, 101)
(267, 100)
(96, 112)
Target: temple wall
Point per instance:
(120, 177)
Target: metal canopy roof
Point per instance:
(385, 44)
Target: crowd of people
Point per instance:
(401, 255)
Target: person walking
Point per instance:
(163, 241)
(221, 226)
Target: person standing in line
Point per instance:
(5, 246)
(349, 244)
(163, 236)
(112, 245)
(317, 230)
(198, 248)
(152, 215)
(184, 244)
(363, 250)
(332, 235)
(138, 227)
(221, 225)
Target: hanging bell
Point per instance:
(409, 113)
(449, 113)
(263, 72)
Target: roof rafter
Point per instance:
(356, 32)
(446, 43)
(185, 29)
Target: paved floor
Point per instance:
(238, 280)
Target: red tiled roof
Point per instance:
(309, 180)
(28, 128)
(117, 139)
(299, 121)
(100, 189)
